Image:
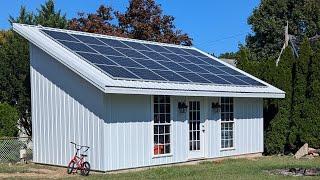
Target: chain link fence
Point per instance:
(15, 149)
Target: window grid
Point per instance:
(162, 125)
(194, 125)
(227, 123)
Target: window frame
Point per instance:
(223, 121)
(153, 124)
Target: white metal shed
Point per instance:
(136, 123)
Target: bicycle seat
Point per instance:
(83, 155)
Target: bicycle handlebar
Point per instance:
(81, 146)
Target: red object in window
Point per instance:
(158, 149)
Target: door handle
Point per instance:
(203, 128)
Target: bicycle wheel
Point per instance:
(85, 169)
(71, 167)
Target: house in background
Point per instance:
(232, 62)
(138, 103)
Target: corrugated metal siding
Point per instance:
(248, 132)
(129, 141)
(65, 108)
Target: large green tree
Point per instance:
(278, 128)
(299, 113)
(14, 61)
(269, 19)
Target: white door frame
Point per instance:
(196, 152)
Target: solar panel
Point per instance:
(193, 77)
(117, 71)
(155, 56)
(88, 39)
(60, 35)
(158, 48)
(137, 46)
(125, 62)
(134, 60)
(113, 43)
(214, 79)
(232, 79)
(146, 74)
(106, 50)
(175, 58)
(193, 68)
(177, 51)
(75, 46)
(173, 66)
(130, 53)
(96, 58)
(171, 76)
(150, 64)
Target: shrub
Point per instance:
(8, 120)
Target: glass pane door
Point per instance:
(194, 125)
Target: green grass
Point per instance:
(226, 169)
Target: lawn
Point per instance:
(226, 169)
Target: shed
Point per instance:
(138, 103)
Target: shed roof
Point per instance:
(110, 84)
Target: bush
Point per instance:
(8, 120)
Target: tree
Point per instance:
(14, 59)
(299, 111)
(8, 120)
(311, 123)
(144, 20)
(278, 128)
(99, 22)
(269, 18)
(50, 17)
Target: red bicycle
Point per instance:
(78, 162)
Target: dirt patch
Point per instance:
(38, 172)
(297, 172)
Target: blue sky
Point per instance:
(215, 26)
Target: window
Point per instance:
(162, 124)
(227, 123)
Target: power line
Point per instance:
(225, 38)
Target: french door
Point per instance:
(196, 128)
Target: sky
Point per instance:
(215, 26)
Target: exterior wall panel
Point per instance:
(65, 108)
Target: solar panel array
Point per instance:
(122, 59)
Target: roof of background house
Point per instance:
(110, 84)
